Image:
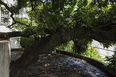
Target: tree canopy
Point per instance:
(53, 22)
(96, 16)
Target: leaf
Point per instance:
(85, 2)
(60, 57)
(46, 65)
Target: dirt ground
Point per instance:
(57, 65)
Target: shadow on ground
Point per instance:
(58, 65)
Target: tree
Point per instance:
(59, 21)
(111, 61)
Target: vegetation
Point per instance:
(54, 22)
(90, 51)
(93, 53)
(111, 61)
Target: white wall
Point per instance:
(4, 29)
(13, 41)
(103, 51)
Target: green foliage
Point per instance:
(93, 53)
(111, 61)
(90, 51)
(25, 42)
(55, 15)
(63, 14)
(22, 3)
(27, 27)
(81, 45)
(24, 23)
(5, 13)
(66, 46)
(108, 44)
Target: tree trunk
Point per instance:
(32, 53)
(81, 45)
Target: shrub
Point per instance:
(90, 52)
(111, 60)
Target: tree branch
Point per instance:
(11, 11)
(57, 38)
(62, 36)
(108, 26)
(6, 6)
(7, 35)
(65, 35)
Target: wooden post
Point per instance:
(5, 54)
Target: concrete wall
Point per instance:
(5, 54)
(92, 61)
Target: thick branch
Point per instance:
(70, 34)
(7, 35)
(39, 47)
(104, 36)
(108, 26)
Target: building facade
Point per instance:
(5, 20)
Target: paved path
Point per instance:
(57, 65)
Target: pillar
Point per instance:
(5, 54)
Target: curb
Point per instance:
(92, 61)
